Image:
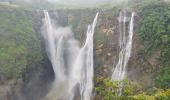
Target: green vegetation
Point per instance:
(20, 48)
(110, 90)
(155, 34)
(19, 45)
(158, 95)
(107, 89)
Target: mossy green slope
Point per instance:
(19, 44)
(155, 35)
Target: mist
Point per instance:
(86, 2)
(82, 2)
(69, 3)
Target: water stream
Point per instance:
(125, 45)
(72, 64)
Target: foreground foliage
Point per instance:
(109, 90)
(106, 89)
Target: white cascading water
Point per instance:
(125, 44)
(84, 74)
(54, 54)
(72, 65)
(87, 79)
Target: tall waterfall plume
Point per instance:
(125, 45)
(87, 79)
(72, 64)
(54, 53)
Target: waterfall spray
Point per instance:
(82, 72)
(55, 55)
(87, 80)
(74, 70)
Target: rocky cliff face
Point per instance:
(37, 80)
(106, 38)
(106, 42)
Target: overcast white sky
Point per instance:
(79, 2)
(85, 2)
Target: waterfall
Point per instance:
(55, 55)
(87, 80)
(72, 64)
(125, 45)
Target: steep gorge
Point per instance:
(37, 74)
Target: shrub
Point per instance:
(108, 89)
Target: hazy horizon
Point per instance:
(73, 2)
